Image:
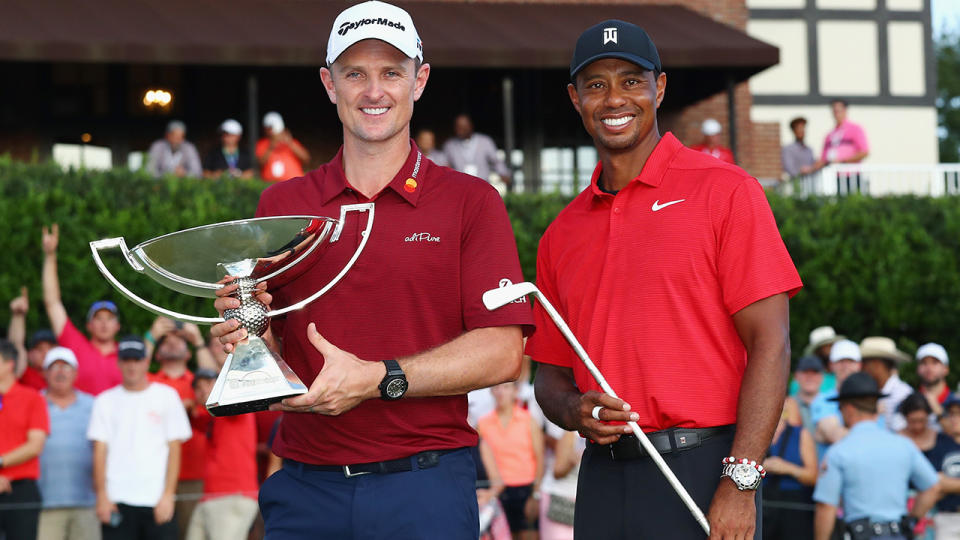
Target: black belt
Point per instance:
(863, 529)
(665, 441)
(422, 460)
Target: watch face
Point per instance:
(745, 475)
(396, 387)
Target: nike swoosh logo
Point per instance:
(657, 206)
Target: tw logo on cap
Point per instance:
(609, 35)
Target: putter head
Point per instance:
(495, 298)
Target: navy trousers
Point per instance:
(437, 502)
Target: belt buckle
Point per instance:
(348, 474)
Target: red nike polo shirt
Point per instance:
(648, 280)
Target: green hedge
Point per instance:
(886, 266)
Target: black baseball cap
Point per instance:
(858, 385)
(131, 347)
(809, 363)
(44, 335)
(615, 39)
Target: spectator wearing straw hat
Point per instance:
(818, 346)
(229, 157)
(870, 470)
(66, 464)
(881, 358)
(933, 366)
(844, 361)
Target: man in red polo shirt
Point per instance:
(97, 356)
(24, 426)
(230, 484)
(363, 458)
(683, 307)
(172, 353)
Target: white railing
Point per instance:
(878, 180)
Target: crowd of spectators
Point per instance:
(278, 155)
(109, 438)
(812, 423)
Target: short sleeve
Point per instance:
(177, 425)
(860, 139)
(39, 417)
(753, 262)
(99, 428)
(830, 480)
(821, 408)
(488, 259)
(547, 345)
(922, 474)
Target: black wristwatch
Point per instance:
(394, 383)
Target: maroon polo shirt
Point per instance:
(440, 239)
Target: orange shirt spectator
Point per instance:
(512, 446)
(281, 156)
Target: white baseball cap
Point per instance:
(844, 349)
(273, 120)
(231, 127)
(935, 350)
(374, 20)
(711, 127)
(59, 353)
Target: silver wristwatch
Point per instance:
(745, 476)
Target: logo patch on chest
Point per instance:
(422, 237)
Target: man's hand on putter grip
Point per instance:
(613, 410)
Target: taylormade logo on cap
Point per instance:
(347, 26)
(374, 20)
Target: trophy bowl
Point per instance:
(194, 262)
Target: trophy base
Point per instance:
(252, 378)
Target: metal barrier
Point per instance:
(878, 180)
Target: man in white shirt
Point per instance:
(137, 428)
(881, 358)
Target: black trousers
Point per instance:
(138, 523)
(21, 520)
(621, 500)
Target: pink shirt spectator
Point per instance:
(96, 372)
(845, 141)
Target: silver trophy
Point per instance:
(193, 261)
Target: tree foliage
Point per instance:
(948, 95)
(870, 266)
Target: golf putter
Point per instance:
(496, 298)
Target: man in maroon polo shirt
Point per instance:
(359, 459)
(97, 355)
(683, 306)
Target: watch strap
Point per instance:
(393, 368)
